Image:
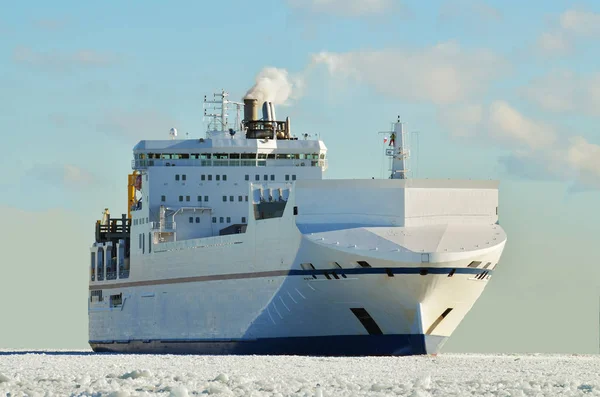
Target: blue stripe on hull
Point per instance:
(340, 345)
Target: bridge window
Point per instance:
(100, 264)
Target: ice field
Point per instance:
(84, 374)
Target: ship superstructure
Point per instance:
(235, 244)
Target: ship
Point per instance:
(235, 244)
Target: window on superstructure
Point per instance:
(287, 177)
(266, 177)
(205, 198)
(187, 198)
(217, 177)
(176, 177)
(272, 177)
(230, 198)
(210, 177)
(257, 177)
(224, 198)
(239, 198)
(245, 198)
(197, 219)
(214, 220)
(149, 243)
(163, 198)
(247, 177)
(228, 219)
(199, 198)
(183, 177)
(203, 177)
(191, 219)
(93, 266)
(234, 156)
(180, 198)
(271, 156)
(224, 177)
(293, 177)
(243, 219)
(220, 219)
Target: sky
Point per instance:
(504, 90)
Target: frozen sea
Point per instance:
(60, 373)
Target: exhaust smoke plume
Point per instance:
(272, 85)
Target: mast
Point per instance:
(398, 150)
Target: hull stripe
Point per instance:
(283, 273)
(332, 345)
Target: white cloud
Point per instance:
(442, 74)
(345, 7)
(571, 26)
(506, 123)
(462, 120)
(585, 23)
(63, 60)
(51, 24)
(67, 175)
(566, 91)
(136, 125)
(476, 11)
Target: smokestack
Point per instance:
(273, 117)
(266, 110)
(250, 109)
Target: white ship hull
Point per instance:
(250, 293)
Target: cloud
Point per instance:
(66, 175)
(51, 24)
(471, 11)
(571, 26)
(63, 61)
(137, 125)
(346, 8)
(507, 124)
(566, 91)
(442, 74)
